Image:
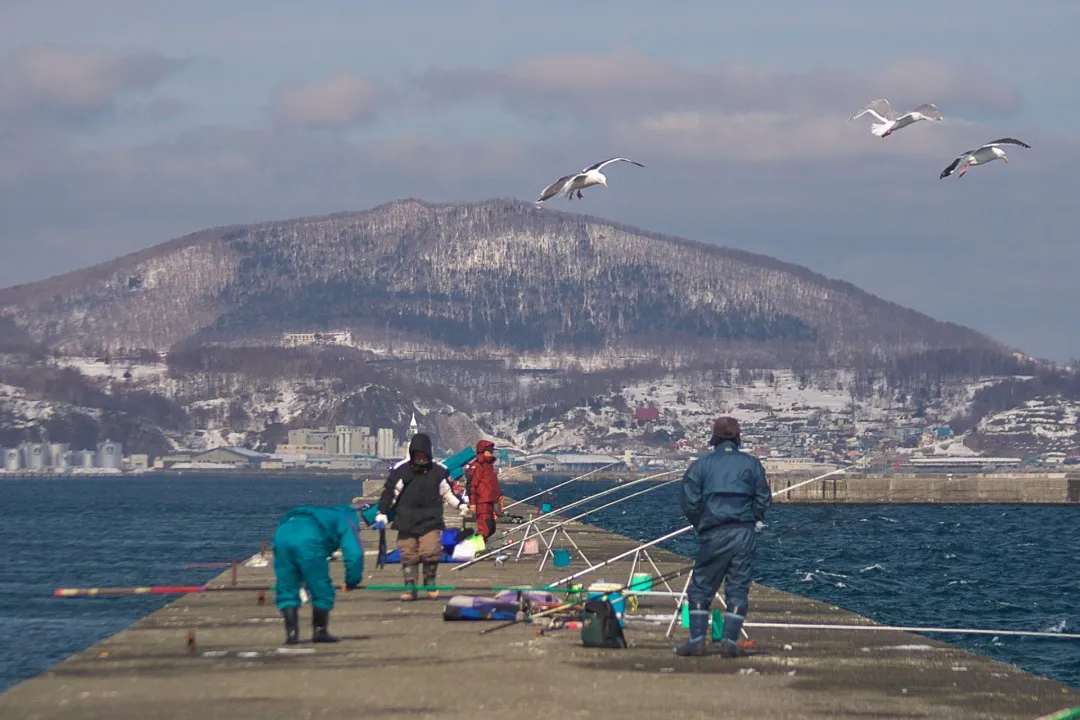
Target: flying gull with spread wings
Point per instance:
(987, 153)
(892, 120)
(579, 181)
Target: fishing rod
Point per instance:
(573, 605)
(663, 538)
(1066, 714)
(194, 589)
(888, 628)
(589, 498)
(556, 487)
(916, 629)
(508, 545)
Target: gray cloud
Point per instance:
(52, 83)
(340, 101)
(628, 83)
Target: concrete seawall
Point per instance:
(927, 489)
(918, 488)
(402, 660)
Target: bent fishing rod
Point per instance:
(500, 549)
(556, 487)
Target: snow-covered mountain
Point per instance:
(497, 275)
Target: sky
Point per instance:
(125, 123)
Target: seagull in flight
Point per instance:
(579, 181)
(987, 153)
(892, 120)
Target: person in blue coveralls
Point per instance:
(725, 495)
(305, 539)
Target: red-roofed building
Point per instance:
(647, 414)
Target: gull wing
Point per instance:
(880, 108)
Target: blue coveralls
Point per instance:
(304, 540)
(723, 495)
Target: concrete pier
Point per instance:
(401, 660)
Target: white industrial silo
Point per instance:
(12, 461)
(110, 455)
(84, 458)
(35, 455)
(58, 453)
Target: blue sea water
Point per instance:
(1006, 567)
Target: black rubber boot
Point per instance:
(729, 642)
(292, 625)
(430, 571)
(699, 630)
(320, 623)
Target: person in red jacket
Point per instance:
(484, 491)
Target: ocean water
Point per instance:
(1005, 567)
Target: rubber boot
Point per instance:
(430, 570)
(408, 573)
(320, 623)
(729, 642)
(292, 625)
(699, 631)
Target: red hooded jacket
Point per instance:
(484, 486)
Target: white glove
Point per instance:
(758, 525)
(463, 509)
(381, 521)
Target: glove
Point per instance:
(463, 509)
(380, 521)
(758, 525)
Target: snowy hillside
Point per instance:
(1039, 426)
(686, 404)
(505, 277)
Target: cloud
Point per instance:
(340, 101)
(738, 155)
(629, 83)
(42, 82)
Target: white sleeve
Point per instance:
(448, 495)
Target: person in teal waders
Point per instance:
(725, 495)
(306, 537)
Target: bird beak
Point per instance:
(1005, 158)
(605, 183)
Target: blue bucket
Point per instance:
(560, 558)
(545, 508)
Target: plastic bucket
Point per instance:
(717, 621)
(641, 581)
(545, 508)
(560, 557)
(717, 625)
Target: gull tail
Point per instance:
(880, 129)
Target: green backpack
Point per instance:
(600, 626)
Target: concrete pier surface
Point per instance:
(402, 660)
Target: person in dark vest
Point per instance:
(725, 495)
(416, 490)
(483, 490)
